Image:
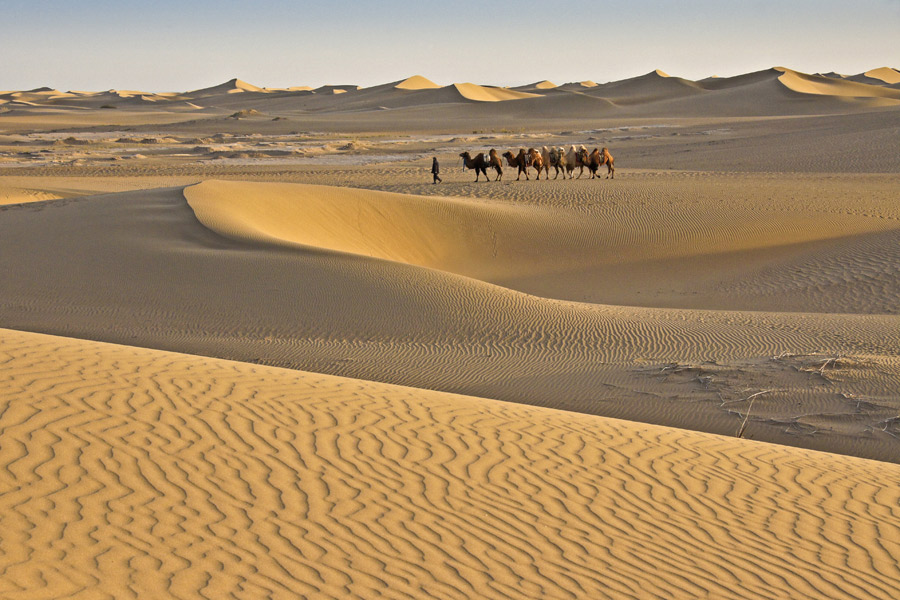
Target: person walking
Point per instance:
(436, 170)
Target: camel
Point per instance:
(556, 158)
(607, 159)
(591, 161)
(496, 163)
(478, 163)
(596, 159)
(519, 161)
(573, 159)
(537, 161)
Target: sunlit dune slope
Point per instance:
(559, 251)
(825, 86)
(481, 93)
(136, 473)
(416, 82)
(884, 74)
(232, 86)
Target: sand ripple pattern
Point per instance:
(138, 473)
(139, 269)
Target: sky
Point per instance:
(180, 45)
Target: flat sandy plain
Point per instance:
(249, 350)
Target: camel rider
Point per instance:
(436, 170)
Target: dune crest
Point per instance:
(416, 82)
(480, 93)
(826, 86)
(495, 242)
(232, 86)
(886, 74)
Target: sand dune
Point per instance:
(37, 95)
(579, 85)
(651, 87)
(811, 84)
(336, 89)
(886, 74)
(416, 82)
(177, 476)
(17, 195)
(880, 76)
(480, 93)
(536, 87)
(139, 268)
(232, 86)
(497, 242)
(776, 91)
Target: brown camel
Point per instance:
(519, 161)
(607, 159)
(478, 163)
(591, 161)
(597, 159)
(495, 162)
(556, 158)
(537, 161)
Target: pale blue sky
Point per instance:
(169, 45)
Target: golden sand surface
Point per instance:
(249, 350)
(135, 473)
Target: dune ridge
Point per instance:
(481, 93)
(232, 86)
(776, 91)
(416, 82)
(497, 241)
(886, 74)
(348, 488)
(824, 86)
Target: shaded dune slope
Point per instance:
(178, 476)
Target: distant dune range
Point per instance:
(776, 91)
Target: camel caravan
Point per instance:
(558, 158)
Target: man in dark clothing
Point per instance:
(436, 170)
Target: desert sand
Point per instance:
(146, 473)
(249, 349)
